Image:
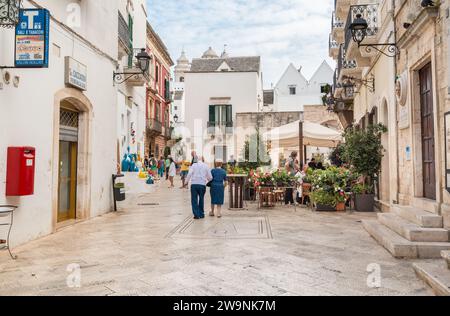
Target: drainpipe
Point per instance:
(397, 198)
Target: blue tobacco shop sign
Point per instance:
(32, 38)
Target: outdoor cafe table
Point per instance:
(274, 188)
(236, 184)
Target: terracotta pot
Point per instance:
(340, 207)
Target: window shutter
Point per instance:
(130, 29)
(212, 113)
(229, 113)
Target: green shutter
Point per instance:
(130, 45)
(229, 114)
(212, 113)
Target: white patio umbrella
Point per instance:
(313, 135)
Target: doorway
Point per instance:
(67, 164)
(427, 129)
(67, 183)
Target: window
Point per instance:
(292, 90)
(220, 115)
(157, 73)
(157, 112)
(181, 79)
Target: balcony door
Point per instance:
(220, 115)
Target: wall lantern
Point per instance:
(143, 63)
(368, 83)
(175, 118)
(9, 13)
(359, 32)
(349, 89)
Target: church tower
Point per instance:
(182, 66)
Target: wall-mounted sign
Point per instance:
(75, 73)
(447, 151)
(403, 121)
(32, 38)
(408, 153)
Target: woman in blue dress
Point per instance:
(217, 189)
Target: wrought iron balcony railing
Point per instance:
(226, 127)
(154, 126)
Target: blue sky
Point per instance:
(280, 31)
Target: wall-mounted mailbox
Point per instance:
(20, 171)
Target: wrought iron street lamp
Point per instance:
(143, 63)
(359, 32)
(9, 13)
(175, 118)
(369, 83)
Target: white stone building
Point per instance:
(74, 129)
(216, 88)
(131, 96)
(293, 91)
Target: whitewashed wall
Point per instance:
(27, 113)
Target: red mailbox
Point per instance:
(20, 171)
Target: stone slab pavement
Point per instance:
(153, 247)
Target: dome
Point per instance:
(183, 59)
(210, 53)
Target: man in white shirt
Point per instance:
(199, 176)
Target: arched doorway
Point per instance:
(385, 164)
(71, 156)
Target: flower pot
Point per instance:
(340, 207)
(365, 202)
(325, 208)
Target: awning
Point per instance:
(313, 135)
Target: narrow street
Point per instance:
(152, 247)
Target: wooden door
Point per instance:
(427, 122)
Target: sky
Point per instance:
(280, 31)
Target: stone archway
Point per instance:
(83, 191)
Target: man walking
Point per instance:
(167, 163)
(199, 175)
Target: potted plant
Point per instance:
(364, 152)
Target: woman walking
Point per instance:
(217, 191)
(161, 168)
(172, 172)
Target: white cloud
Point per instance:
(281, 31)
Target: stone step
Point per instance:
(446, 256)
(437, 277)
(412, 231)
(419, 217)
(399, 246)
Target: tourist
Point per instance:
(146, 162)
(167, 163)
(320, 166)
(172, 172)
(161, 164)
(194, 157)
(217, 190)
(312, 164)
(292, 169)
(232, 162)
(184, 172)
(199, 175)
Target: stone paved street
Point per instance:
(159, 250)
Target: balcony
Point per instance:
(341, 8)
(337, 29)
(346, 67)
(370, 13)
(154, 127)
(333, 47)
(220, 128)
